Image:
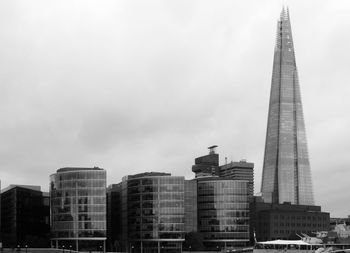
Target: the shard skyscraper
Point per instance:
(286, 169)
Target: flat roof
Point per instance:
(29, 187)
(67, 169)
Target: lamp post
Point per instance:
(101, 249)
(63, 248)
(132, 248)
(190, 248)
(70, 248)
(217, 248)
(18, 248)
(26, 248)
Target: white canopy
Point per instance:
(285, 242)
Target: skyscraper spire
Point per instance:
(286, 169)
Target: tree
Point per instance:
(195, 240)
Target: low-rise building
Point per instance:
(286, 221)
(78, 209)
(223, 212)
(25, 213)
(115, 242)
(153, 212)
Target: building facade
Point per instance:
(241, 170)
(25, 213)
(207, 165)
(286, 168)
(223, 212)
(1, 244)
(287, 221)
(191, 215)
(153, 212)
(114, 218)
(78, 208)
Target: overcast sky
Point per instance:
(135, 86)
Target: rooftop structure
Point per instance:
(207, 165)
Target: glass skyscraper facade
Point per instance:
(223, 212)
(78, 209)
(286, 169)
(153, 212)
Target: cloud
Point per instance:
(141, 86)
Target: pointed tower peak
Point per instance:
(288, 13)
(284, 13)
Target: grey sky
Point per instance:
(135, 86)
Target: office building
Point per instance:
(241, 170)
(286, 221)
(1, 244)
(223, 212)
(207, 165)
(114, 218)
(191, 216)
(153, 212)
(25, 214)
(217, 202)
(286, 168)
(78, 209)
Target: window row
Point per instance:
(80, 200)
(78, 209)
(223, 198)
(101, 225)
(83, 183)
(225, 235)
(79, 217)
(223, 205)
(79, 233)
(222, 213)
(100, 191)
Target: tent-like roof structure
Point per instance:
(285, 242)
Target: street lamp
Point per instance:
(63, 248)
(18, 248)
(101, 248)
(132, 248)
(26, 248)
(217, 248)
(70, 248)
(190, 247)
